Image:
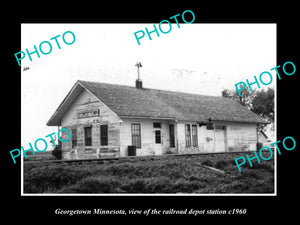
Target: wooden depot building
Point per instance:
(108, 120)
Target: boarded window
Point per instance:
(157, 136)
(104, 135)
(172, 135)
(88, 136)
(187, 135)
(136, 135)
(74, 137)
(194, 136)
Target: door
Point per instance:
(209, 144)
(158, 148)
(220, 138)
(172, 135)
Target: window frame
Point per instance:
(172, 135)
(156, 136)
(155, 125)
(74, 137)
(136, 136)
(188, 141)
(104, 135)
(87, 138)
(191, 135)
(194, 135)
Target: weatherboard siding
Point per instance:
(86, 103)
(235, 137)
(241, 137)
(207, 141)
(83, 113)
(182, 149)
(147, 137)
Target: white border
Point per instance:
(178, 195)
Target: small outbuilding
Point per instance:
(108, 120)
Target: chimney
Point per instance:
(139, 83)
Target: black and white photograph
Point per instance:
(159, 117)
(138, 112)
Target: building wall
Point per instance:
(87, 103)
(182, 149)
(206, 140)
(147, 137)
(235, 137)
(241, 137)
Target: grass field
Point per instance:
(151, 175)
(47, 155)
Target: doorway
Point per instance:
(220, 138)
(158, 148)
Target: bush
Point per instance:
(57, 152)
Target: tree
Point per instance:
(245, 99)
(263, 105)
(260, 102)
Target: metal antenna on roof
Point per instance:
(138, 64)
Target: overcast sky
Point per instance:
(195, 58)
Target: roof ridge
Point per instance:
(153, 89)
(128, 100)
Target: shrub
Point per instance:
(57, 152)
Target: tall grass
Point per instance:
(151, 175)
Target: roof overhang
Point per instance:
(73, 94)
(148, 117)
(239, 121)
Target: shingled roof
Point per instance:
(145, 102)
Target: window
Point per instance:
(156, 125)
(191, 137)
(104, 135)
(194, 136)
(172, 135)
(74, 137)
(136, 134)
(187, 135)
(157, 137)
(88, 136)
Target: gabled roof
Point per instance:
(131, 101)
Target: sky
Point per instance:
(195, 58)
